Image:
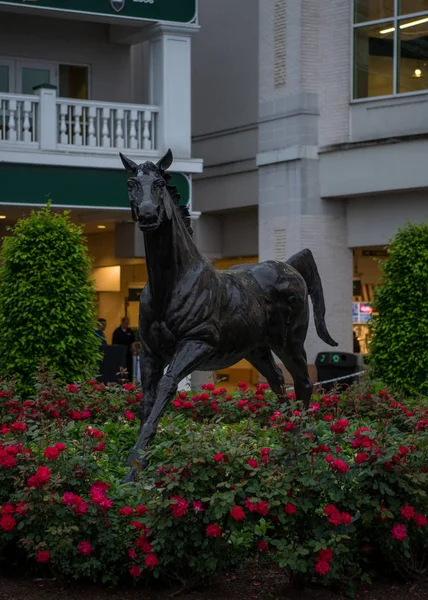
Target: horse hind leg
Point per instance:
(264, 362)
(296, 364)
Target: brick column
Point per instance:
(292, 216)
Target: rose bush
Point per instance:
(317, 493)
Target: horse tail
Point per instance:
(304, 263)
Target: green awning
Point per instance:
(180, 11)
(71, 186)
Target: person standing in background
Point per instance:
(124, 336)
(99, 331)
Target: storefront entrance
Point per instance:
(367, 275)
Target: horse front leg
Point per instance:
(190, 355)
(151, 373)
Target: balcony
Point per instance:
(46, 129)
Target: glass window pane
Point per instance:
(371, 10)
(373, 60)
(413, 59)
(73, 82)
(33, 77)
(407, 7)
(4, 78)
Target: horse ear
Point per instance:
(165, 162)
(129, 164)
(134, 213)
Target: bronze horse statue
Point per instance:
(193, 317)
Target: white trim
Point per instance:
(102, 161)
(389, 97)
(111, 18)
(74, 206)
(286, 155)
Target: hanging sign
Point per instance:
(178, 11)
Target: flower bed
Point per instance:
(319, 494)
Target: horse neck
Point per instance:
(170, 252)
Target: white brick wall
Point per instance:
(335, 70)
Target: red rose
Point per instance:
(138, 526)
(42, 476)
(146, 547)
(73, 388)
(85, 548)
(198, 506)
(61, 447)
(220, 457)
(21, 508)
(100, 447)
(126, 511)
(264, 451)
(7, 509)
(132, 554)
(361, 457)
(51, 453)
(346, 518)
(340, 426)
(135, 571)
(129, 415)
(326, 554)
(151, 561)
(262, 546)
(19, 426)
(253, 463)
(340, 466)
(213, 530)
(80, 506)
(7, 523)
(140, 510)
(95, 433)
(43, 556)
(179, 506)
(290, 508)
(129, 387)
(399, 532)
(322, 567)
(420, 520)
(407, 512)
(237, 513)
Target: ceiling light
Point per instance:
(405, 25)
(413, 23)
(101, 226)
(417, 73)
(2, 216)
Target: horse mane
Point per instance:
(183, 211)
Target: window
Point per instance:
(390, 47)
(22, 76)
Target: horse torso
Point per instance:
(233, 311)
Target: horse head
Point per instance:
(147, 191)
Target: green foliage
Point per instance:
(399, 347)
(323, 494)
(47, 307)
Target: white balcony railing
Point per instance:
(46, 122)
(18, 119)
(105, 125)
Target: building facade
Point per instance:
(311, 119)
(81, 80)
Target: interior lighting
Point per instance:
(101, 226)
(417, 73)
(2, 216)
(405, 25)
